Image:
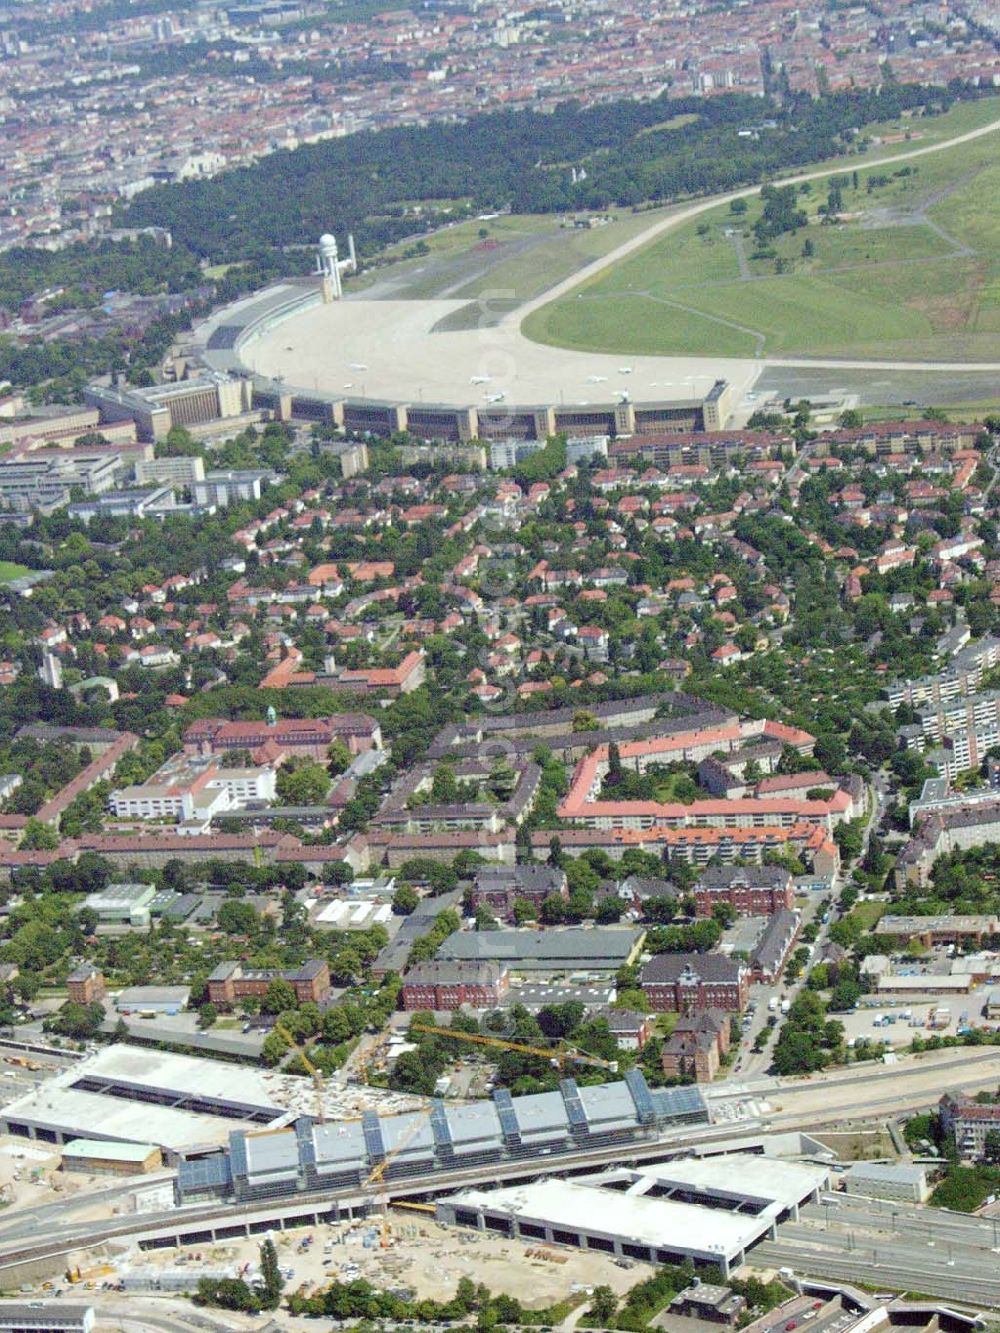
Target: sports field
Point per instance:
(910, 270)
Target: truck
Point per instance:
(940, 1018)
(785, 1006)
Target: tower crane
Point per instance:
(317, 1077)
(376, 1175)
(555, 1055)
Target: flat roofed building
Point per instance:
(708, 1302)
(122, 902)
(308, 1155)
(127, 1094)
(100, 1158)
(881, 1180)
(574, 949)
(45, 1317)
(716, 1209)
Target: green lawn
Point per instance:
(9, 571)
(912, 270)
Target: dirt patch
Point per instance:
(863, 1145)
(953, 312)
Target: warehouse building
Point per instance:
(573, 949)
(709, 1211)
(308, 1155)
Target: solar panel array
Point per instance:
(508, 1116)
(374, 1145)
(485, 1131)
(575, 1113)
(639, 1089)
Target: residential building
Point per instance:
(231, 982)
(969, 1121)
(683, 982)
(85, 985)
(499, 887)
(695, 1048)
(630, 1029)
(748, 890)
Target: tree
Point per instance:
(302, 784)
(991, 1147)
(524, 911)
(603, 1305)
(38, 837)
(405, 899)
(207, 1015)
(338, 757)
(237, 918)
(279, 997)
(271, 1281)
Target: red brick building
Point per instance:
(748, 890)
(441, 985)
(309, 737)
(85, 985)
(232, 982)
(680, 983)
(696, 1046)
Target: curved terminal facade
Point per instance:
(382, 366)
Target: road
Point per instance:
(515, 318)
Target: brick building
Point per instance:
(696, 1046)
(680, 983)
(748, 890)
(231, 982)
(309, 737)
(440, 985)
(85, 985)
(499, 887)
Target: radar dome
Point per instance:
(327, 239)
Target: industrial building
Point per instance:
(709, 1211)
(309, 1155)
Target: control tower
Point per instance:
(330, 267)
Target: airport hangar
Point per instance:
(709, 1211)
(379, 367)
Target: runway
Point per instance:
(394, 351)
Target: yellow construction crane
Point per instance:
(556, 1055)
(317, 1077)
(377, 1174)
